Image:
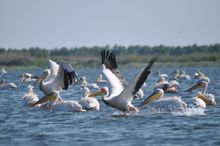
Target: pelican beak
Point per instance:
(98, 93)
(50, 97)
(199, 85)
(152, 97)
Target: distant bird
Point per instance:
(82, 82)
(100, 79)
(120, 95)
(182, 76)
(172, 87)
(3, 71)
(4, 85)
(27, 77)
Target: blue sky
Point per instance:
(70, 23)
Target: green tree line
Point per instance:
(88, 55)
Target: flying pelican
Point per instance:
(30, 97)
(120, 96)
(3, 84)
(82, 81)
(61, 80)
(27, 77)
(208, 98)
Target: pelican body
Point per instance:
(121, 94)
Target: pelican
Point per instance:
(88, 102)
(172, 87)
(27, 77)
(201, 76)
(3, 71)
(30, 97)
(182, 76)
(57, 104)
(3, 84)
(51, 81)
(82, 81)
(120, 95)
(100, 79)
(158, 100)
(208, 98)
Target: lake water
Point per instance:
(23, 126)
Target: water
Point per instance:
(23, 126)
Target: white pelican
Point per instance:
(57, 104)
(88, 102)
(172, 87)
(208, 98)
(51, 81)
(30, 97)
(182, 76)
(82, 81)
(100, 79)
(163, 75)
(201, 76)
(3, 71)
(158, 100)
(120, 96)
(3, 84)
(27, 77)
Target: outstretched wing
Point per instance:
(111, 72)
(136, 83)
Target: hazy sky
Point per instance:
(57, 23)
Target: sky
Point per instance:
(74, 23)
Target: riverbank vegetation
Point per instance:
(191, 55)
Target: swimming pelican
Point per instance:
(88, 102)
(3, 84)
(57, 104)
(27, 77)
(158, 100)
(3, 71)
(100, 79)
(120, 96)
(208, 98)
(82, 81)
(50, 82)
(30, 97)
(182, 76)
(201, 76)
(172, 87)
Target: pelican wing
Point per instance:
(111, 72)
(136, 83)
(54, 67)
(65, 77)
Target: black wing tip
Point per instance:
(108, 58)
